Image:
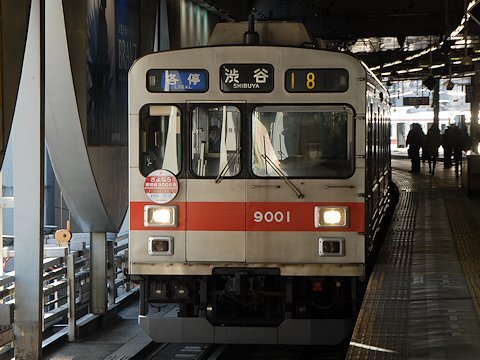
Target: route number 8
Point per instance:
(310, 80)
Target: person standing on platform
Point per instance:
(447, 148)
(415, 139)
(433, 140)
(458, 144)
(467, 141)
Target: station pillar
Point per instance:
(436, 104)
(98, 272)
(474, 107)
(28, 174)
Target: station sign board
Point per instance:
(239, 78)
(416, 100)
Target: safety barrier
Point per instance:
(66, 287)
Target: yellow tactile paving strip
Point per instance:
(466, 231)
(418, 303)
(386, 299)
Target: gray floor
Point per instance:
(418, 304)
(121, 337)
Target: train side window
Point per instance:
(216, 140)
(160, 139)
(302, 141)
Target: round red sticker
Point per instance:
(161, 186)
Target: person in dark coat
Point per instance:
(433, 140)
(466, 140)
(447, 148)
(458, 144)
(414, 142)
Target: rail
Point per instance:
(66, 286)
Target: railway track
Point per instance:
(244, 352)
(180, 351)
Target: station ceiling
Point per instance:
(392, 37)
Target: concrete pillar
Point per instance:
(98, 272)
(28, 154)
(474, 107)
(162, 25)
(436, 103)
(112, 291)
(72, 321)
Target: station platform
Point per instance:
(423, 297)
(120, 338)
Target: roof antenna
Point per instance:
(251, 37)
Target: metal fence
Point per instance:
(66, 286)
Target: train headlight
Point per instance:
(328, 216)
(160, 216)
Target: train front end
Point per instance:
(247, 193)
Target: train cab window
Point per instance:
(302, 141)
(216, 140)
(160, 139)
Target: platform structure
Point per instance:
(423, 298)
(120, 338)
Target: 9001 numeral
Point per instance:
(269, 216)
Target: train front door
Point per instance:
(215, 201)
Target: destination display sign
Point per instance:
(246, 78)
(169, 80)
(316, 80)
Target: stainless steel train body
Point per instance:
(259, 176)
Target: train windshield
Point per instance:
(302, 141)
(216, 140)
(160, 139)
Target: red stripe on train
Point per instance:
(251, 216)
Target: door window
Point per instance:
(216, 142)
(160, 139)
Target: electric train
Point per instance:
(259, 181)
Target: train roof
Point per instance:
(279, 33)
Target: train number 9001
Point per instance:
(270, 216)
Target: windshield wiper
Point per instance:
(282, 175)
(227, 166)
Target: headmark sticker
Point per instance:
(161, 186)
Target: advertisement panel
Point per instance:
(112, 46)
